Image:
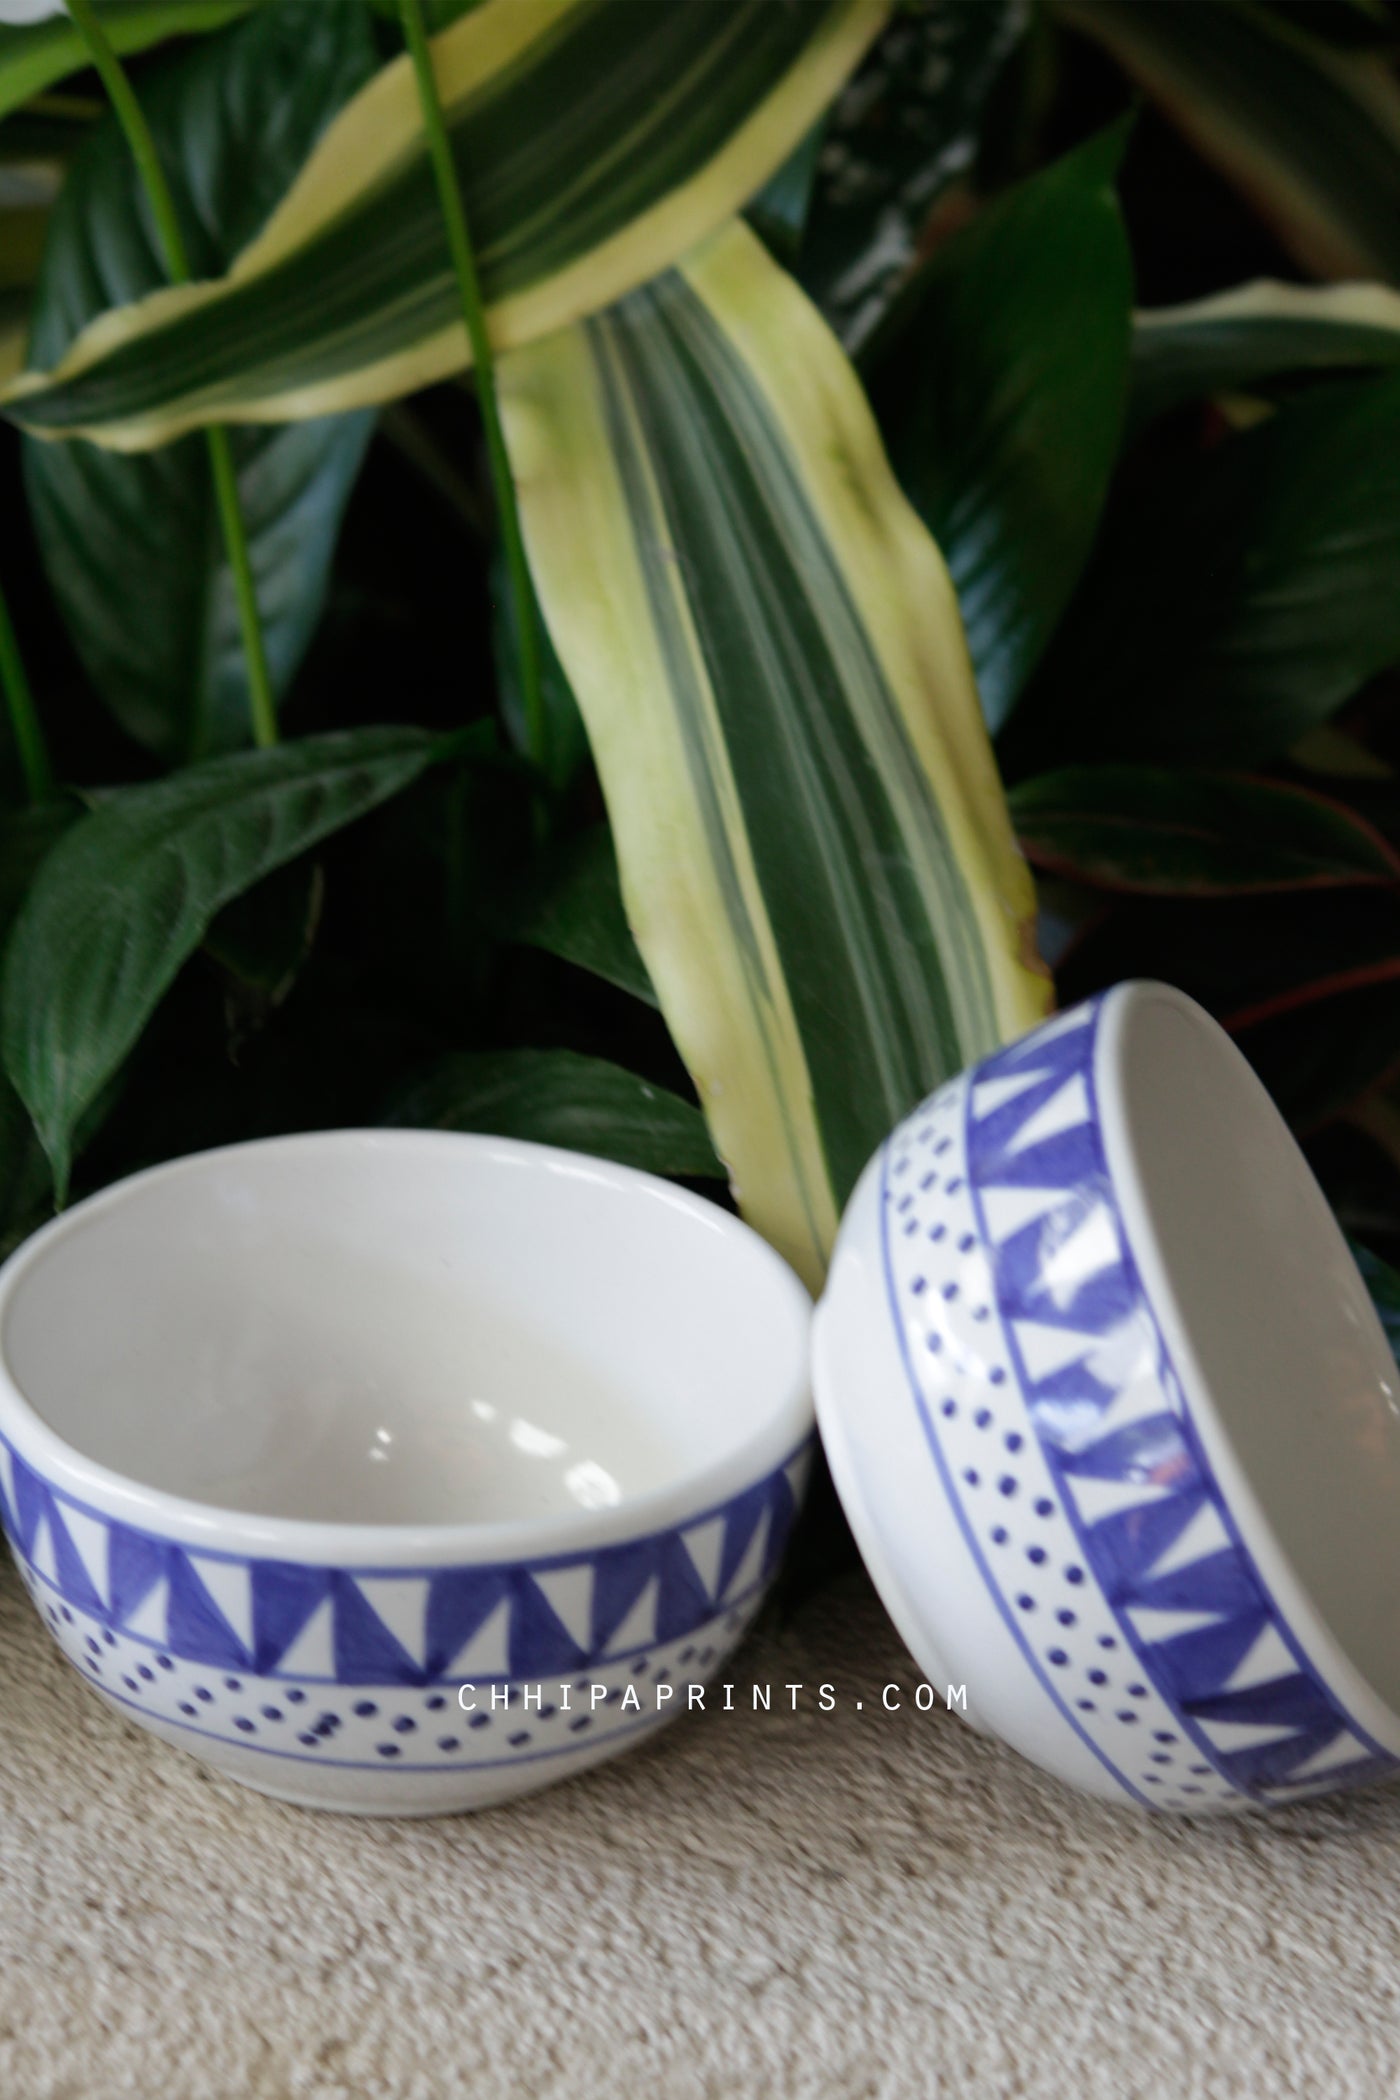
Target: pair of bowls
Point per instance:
(402, 1472)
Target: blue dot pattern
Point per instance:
(338, 1666)
(1014, 1288)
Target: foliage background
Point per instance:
(1182, 594)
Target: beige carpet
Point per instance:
(846, 1904)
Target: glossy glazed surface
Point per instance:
(298, 1438)
(1040, 1470)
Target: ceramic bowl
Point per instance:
(399, 1472)
(1115, 1422)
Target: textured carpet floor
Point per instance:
(846, 1904)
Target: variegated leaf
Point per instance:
(595, 140)
(814, 845)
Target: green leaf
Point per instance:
(1309, 134)
(557, 1097)
(128, 894)
(904, 130)
(1236, 598)
(1001, 399)
(566, 743)
(133, 547)
(34, 57)
(26, 838)
(814, 847)
(1255, 332)
(778, 214)
(1165, 833)
(265, 936)
(595, 141)
(575, 911)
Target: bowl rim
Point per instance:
(783, 1433)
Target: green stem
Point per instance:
(24, 719)
(474, 314)
(261, 705)
(143, 151)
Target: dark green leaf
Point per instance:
(1001, 399)
(1254, 333)
(574, 910)
(557, 1097)
(26, 837)
(263, 937)
(1236, 598)
(902, 131)
(132, 546)
(566, 741)
(1171, 833)
(127, 895)
(778, 214)
(1309, 134)
(35, 56)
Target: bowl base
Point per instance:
(416, 1796)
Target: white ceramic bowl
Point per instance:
(1115, 1422)
(299, 1438)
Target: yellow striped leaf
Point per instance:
(595, 141)
(1236, 338)
(814, 846)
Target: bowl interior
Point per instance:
(403, 1327)
(1283, 1333)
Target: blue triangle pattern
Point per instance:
(681, 1600)
(198, 1629)
(1125, 1549)
(1067, 1161)
(459, 1600)
(621, 1573)
(1209, 1655)
(541, 1645)
(31, 1501)
(285, 1596)
(1152, 1451)
(1128, 1545)
(366, 1652)
(73, 1578)
(741, 1520)
(999, 1127)
(136, 1563)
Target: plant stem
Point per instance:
(474, 314)
(24, 719)
(143, 151)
